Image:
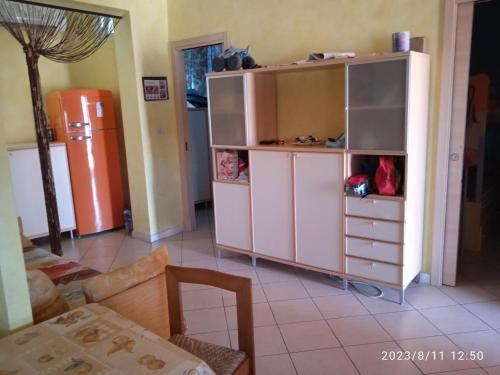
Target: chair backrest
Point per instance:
(242, 286)
(137, 291)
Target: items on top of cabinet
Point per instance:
(336, 143)
(321, 56)
(307, 140)
(401, 41)
(234, 59)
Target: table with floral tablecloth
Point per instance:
(93, 340)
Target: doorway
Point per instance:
(479, 240)
(197, 63)
(192, 59)
(464, 205)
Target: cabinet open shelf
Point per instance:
(368, 164)
(231, 165)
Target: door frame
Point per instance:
(451, 135)
(181, 114)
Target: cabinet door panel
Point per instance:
(232, 215)
(272, 198)
(376, 105)
(62, 184)
(227, 111)
(319, 209)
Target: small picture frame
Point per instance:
(155, 88)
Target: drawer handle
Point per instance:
(80, 137)
(374, 201)
(372, 265)
(78, 124)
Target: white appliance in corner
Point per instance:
(27, 187)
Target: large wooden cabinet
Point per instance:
(299, 213)
(28, 188)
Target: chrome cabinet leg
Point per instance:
(401, 296)
(344, 284)
(417, 279)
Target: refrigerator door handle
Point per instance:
(78, 124)
(80, 137)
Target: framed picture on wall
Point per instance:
(155, 88)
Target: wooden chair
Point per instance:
(223, 361)
(137, 291)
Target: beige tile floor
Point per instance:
(306, 325)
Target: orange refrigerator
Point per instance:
(85, 121)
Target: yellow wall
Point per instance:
(285, 31)
(321, 110)
(16, 113)
(15, 309)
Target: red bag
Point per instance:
(386, 179)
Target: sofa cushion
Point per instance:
(106, 285)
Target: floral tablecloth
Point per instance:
(93, 340)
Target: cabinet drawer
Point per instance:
(376, 229)
(377, 208)
(374, 271)
(386, 252)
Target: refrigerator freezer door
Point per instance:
(88, 110)
(96, 180)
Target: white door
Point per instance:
(319, 206)
(272, 203)
(232, 215)
(457, 141)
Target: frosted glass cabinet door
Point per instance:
(227, 111)
(376, 105)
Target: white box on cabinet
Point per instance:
(28, 188)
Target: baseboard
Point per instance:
(157, 236)
(425, 278)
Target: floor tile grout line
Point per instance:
(467, 310)
(478, 317)
(116, 255)
(465, 303)
(281, 333)
(414, 364)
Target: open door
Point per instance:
(465, 13)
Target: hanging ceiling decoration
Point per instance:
(62, 35)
